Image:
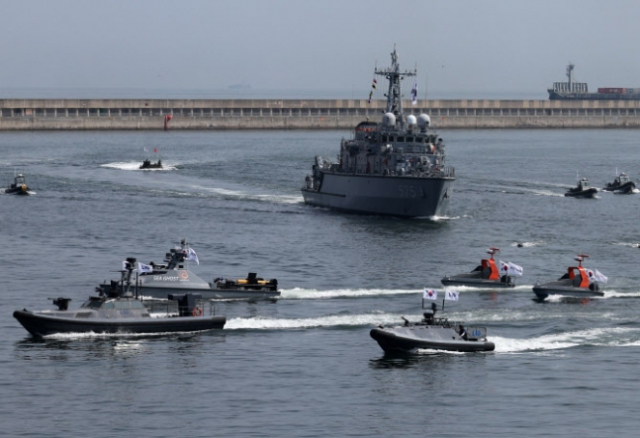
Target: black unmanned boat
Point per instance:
(621, 185)
(431, 334)
(173, 276)
(582, 190)
(487, 274)
(578, 282)
(147, 164)
(19, 186)
(119, 312)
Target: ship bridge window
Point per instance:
(385, 138)
(411, 139)
(400, 139)
(93, 304)
(137, 305)
(108, 305)
(123, 305)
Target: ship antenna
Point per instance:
(394, 95)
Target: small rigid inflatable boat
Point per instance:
(118, 313)
(577, 282)
(147, 164)
(19, 186)
(582, 190)
(622, 185)
(485, 275)
(433, 334)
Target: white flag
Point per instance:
(600, 277)
(510, 269)
(414, 93)
(430, 294)
(451, 295)
(191, 255)
(514, 269)
(142, 268)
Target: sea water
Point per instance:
(306, 365)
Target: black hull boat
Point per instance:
(582, 190)
(147, 164)
(42, 324)
(621, 185)
(173, 276)
(118, 312)
(433, 334)
(486, 275)
(578, 282)
(19, 187)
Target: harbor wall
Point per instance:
(221, 114)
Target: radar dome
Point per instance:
(411, 120)
(424, 120)
(388, 119)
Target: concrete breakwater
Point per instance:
(97, 114)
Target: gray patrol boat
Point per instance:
(158, 280)
(395, 167)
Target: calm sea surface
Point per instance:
(306, 366)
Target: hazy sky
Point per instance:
(490, 46)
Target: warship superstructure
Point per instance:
(395, 167)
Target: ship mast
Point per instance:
(570, 75)
(394, 95)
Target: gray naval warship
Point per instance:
(395, 167)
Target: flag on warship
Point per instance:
(414, 93)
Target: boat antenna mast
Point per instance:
(394, 95)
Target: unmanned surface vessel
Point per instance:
(396, 167)
(433, 334)
(487, 274)
(577, 282)
(158, 280)
(118, 312)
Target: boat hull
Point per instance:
(209, 293)
(409, 339)
(543, 291)
(590, 193)
(43, 325)
(475, 282)
(382, 195)
(623, 189)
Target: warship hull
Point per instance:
(39, 324)
(409, 339)
(382, 195)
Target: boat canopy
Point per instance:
(579, 276)
(489, 267)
